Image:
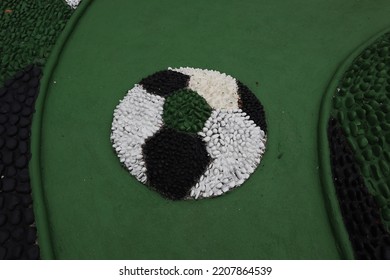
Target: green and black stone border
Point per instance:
(353, 201)
(24, 53)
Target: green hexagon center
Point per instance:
(185, 110)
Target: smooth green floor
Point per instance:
(290, 48)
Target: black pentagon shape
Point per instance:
(251, 105)
(174, 162)
(165, 82)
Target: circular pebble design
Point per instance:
(190, 133)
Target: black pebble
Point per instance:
(3, 119)
(4, 108)
(3, 219)
(23, 147)
(26, 77)
(34, 82)
(30, 101)
(24, 133)
(10, 171)
(15, 217)
(13, 201)
(23, 188)
(3, 91)
(24, 122)
(8, 184)
(252, 106)
(17, 234)
(165, 82)
(16, 252)
(16, 107)
(31, 235)
(11, 143)
(3, 253)
(31, 93)
(21, 162)
(12, 130)
(4, 235)
(7, 157)
(174, 162)
(24, 175)
(14, 119)
(29, 216)
(33, 253)
(26, 112)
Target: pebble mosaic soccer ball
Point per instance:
(190, 133)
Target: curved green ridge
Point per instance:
(35, 168)
(41, 23)
(330, 196)
(185, 110)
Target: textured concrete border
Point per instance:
(39, 204)
(328, 187)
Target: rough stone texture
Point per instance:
(359, 209)
(174, 162)
(249, 103)
(17, 229)
(361, 105)
(186, 111)
(137, 117)
(164, 82)
(28, 31)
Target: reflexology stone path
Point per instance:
(28, 32)
(190, 133)
(359, 135)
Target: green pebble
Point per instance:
(380, 200)
(354, 89)
(385, 126)
(362, 142)
(367, 154)
(351, 115)
(369, 94)
(364, 86)
(372, 119)
(386, 214)
(377, 150)
(361, 113)
(372, 139)
(366, 171)
(384, 189)
(340, 116)
(337, 102)
(353, 128)
(375, 172)
(386, 154)
(349, 102)
(384, 167)
(380, 66)
(359, 96)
